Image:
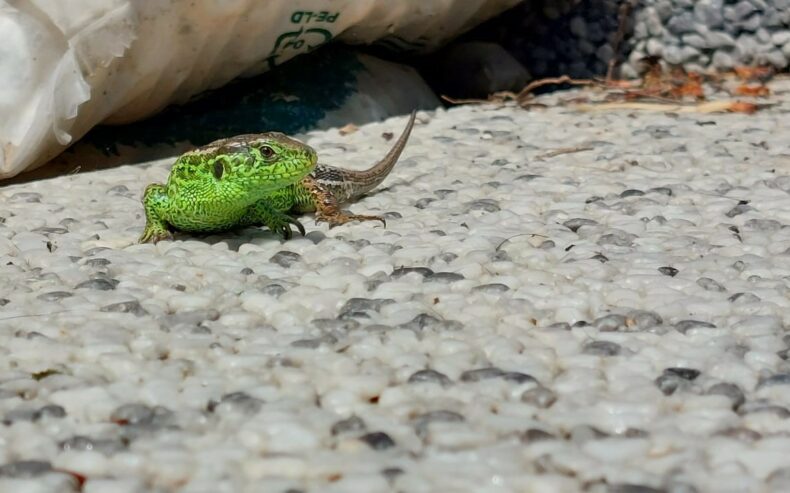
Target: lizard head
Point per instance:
(255, 163)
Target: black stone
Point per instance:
(353, 424)
(378, 440)
(668, 271)
(430, 376)
(602, 348)
(689, 374)
(285, 258)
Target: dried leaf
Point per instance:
(707, 107)
(752, 90)
(348, 129)
(761, 74)
(690, 86)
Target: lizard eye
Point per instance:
(267, 151)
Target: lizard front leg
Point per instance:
(155, 201)
(327, 208)
(262, 213)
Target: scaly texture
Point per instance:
(255, 180)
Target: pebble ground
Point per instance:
(609, 320)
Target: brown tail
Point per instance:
(346, 185)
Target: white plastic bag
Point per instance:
(67, 65)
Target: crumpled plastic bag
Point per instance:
(66, 66)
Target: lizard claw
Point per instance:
(151, 236)
(285, 228)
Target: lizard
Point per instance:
(258, 180)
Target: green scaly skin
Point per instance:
(256, 180)
(227, 184)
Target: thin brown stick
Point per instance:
(624, 12)
(565, 79)
(467, 101)
(563, 150)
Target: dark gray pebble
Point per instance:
(365, 304)
(778, 379)
(618, 238)
(378, 440)
(285, 259)
(685, 325)
(600, 258)
(430, 376)
(443, 193)
(631, 193)
(740, 433)
(709, 284)
(422, 421)
(444, 277)
(25, 197)
(273, 290)
(602, 348)
(486, 205)
(246, 271)
(584, 433)
(493, 288)
(689, 374)
(577, 222)
(533, 435)
(668, 271)
(54, 296)
(97, 262)
(50, 230)
(236, 402)
(50, 411)
(132, 414)
(93, 251)
(643, 319)
(668, 383)
(392, 473)
(424, 202)
(738, 210)
(729, 390)
(481, 374)
(662, 190)
(99, 284)
(402, 271)
(762, 406)
(633, 488)
(132, 307)
(425, 321)
(315, 343)
(343, 325)
(25, 469)
(744, 298)
(353, 424)
(517, 377)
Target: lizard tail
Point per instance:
(353, 184)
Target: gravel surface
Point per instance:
(614, 319)
(574, 37)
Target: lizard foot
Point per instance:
(339, 218)
(152, 235)
(283, 226)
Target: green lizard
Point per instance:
(257, 180)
